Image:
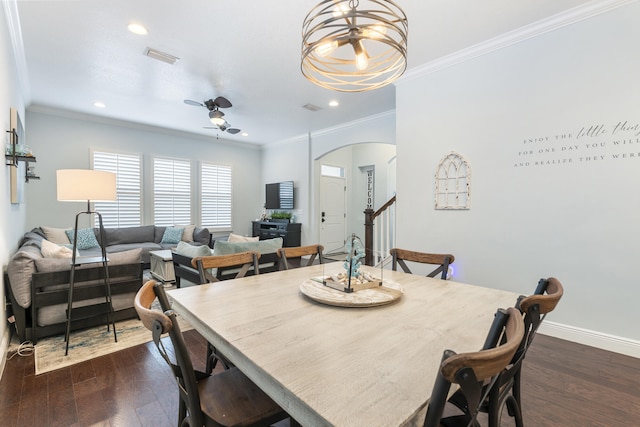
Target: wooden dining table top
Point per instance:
(341, 366)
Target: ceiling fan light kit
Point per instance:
(215, 115)
(354, 46)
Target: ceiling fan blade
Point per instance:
(233, 131)
(194, 103)
(222, 102)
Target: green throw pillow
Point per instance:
(86, 238)
(263, 246)
(192, 251)
(172, 235)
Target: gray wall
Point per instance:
(538, 208)
(64, 141)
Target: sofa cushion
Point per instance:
(187, 234)
(192, 251)
(172, 235)
(263, 246)
(202, 235)
(51, 250)
(233, 238)
(19, 270)
(118, 236)
(56, 235)
(86, 238)
(50, 265)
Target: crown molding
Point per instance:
(552, 23)
(15, 34)
(353, 123)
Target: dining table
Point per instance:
(343, 361)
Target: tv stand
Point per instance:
(290, 232)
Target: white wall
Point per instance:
(570, 216)
(12, 216)
(289, 161)
(61, 140)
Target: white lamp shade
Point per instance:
(81, 185)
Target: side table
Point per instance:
(162, 265)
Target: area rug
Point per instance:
(91, 343)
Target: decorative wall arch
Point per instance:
(453, 183)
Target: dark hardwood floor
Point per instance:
(565, 384)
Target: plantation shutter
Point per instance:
(171, 191)
(126, 211)
(216, 196)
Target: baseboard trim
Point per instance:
(4, 348)
(591, 338)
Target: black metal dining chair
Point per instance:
(476, 373)
(508, 384)
(227, 398)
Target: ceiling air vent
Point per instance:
(160, 56)
(311, 107)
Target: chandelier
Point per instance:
(354, 46)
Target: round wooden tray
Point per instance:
(386, 294)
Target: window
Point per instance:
(216, 196)
(171, 191)
(328, 170)
(127, 210)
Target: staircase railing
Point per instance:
(379, 232)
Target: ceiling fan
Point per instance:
(215, 115)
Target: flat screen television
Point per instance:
(279, 195)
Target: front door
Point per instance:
(332, 213)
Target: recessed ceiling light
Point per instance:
(333, 103)
(99, 104)
(244, 134)
(137, 29)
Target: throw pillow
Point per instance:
(187, 234)
(56, 235)
(51, 250)
(86, 238)
(263, 246)
(238, 238)
(172, 235)
(192, 251)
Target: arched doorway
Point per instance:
(368, 173)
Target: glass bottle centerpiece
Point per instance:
(352, 279)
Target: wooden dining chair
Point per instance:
(475, 373)
(399, 256)
(242, 260)
(299, 251)
(228, 398)
(508, 384)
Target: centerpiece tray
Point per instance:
(379, 295)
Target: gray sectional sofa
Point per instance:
(37, 285)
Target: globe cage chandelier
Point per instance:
(354, 46)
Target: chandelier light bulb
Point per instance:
(362, 62)
(340, 10)
(325, 49)
(375, 32)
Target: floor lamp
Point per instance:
(80, 185)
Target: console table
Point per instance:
(290, 232)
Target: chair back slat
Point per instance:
(313, 251)
(244, 261)
(400, 256)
